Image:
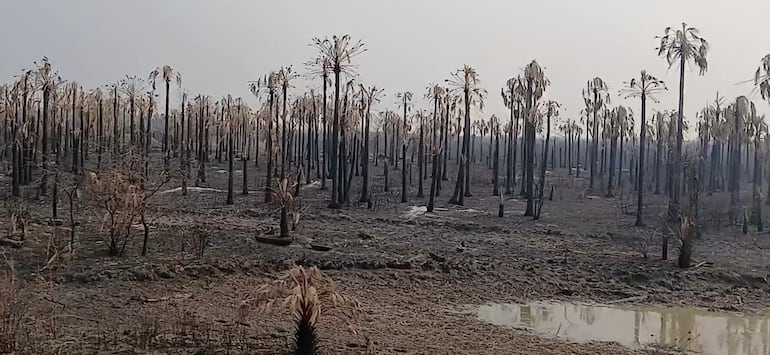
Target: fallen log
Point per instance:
(318, 247)
(273, 241)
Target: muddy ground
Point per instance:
(417, 275)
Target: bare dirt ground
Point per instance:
(416, 274)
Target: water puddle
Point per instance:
(673, 329)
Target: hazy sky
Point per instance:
(219, 45)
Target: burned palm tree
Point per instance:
(535, 83)
(596, 97)
(512, 98)
(285, 77)
(48, 79)
(370, 95)
(167, 74)
(132, 87)
(759, 132)
(436, 93)
(646, 87)
(466, 81)
(321, 68)
(494, 125)
(337, 52)
(271, 82)
(405, 102)
(680, 47)
(551, 110)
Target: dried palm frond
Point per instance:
(336, 53)
(762, 78)
(308, 296)
(647, 86)
(282, 193)
(684, 45)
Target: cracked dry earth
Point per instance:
(418, 275)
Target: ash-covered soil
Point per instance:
(417, 274)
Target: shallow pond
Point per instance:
(683, 329)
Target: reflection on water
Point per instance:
(679, 328)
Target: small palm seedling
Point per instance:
(308, 295)
(283, 197)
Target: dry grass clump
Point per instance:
(13, 309)
(120, 199)
(308, 296)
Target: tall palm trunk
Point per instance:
(434, 182)
(284, 145)
(445, 148)
(325, 144)
(365, 156)
(611, 175)
(509, 168)
(529, 131)
(184, 160)
(496, 164)
(676, 180)
(463, 158)
(269, 149)
(541, 185)
(640, 167)
(420, 157)
(100, 133)
(620, 162)
(132, 125)
(165, 128)
(595, 139)
(385, 149)
(757, 188)
(46, 103)
(230, 154)
(72, 126)
(403, 157)
(334, 141)
(577, 155)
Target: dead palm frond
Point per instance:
(762, 78)
(466, 80)
(337, 52)
(167, 74)
(647, 86)
(683, 46)
(308, 296)
(282, 193)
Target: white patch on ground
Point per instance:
(314, 183)
(415, 211)
(470, 210)
(191, 189)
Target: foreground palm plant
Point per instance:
(308, 296)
